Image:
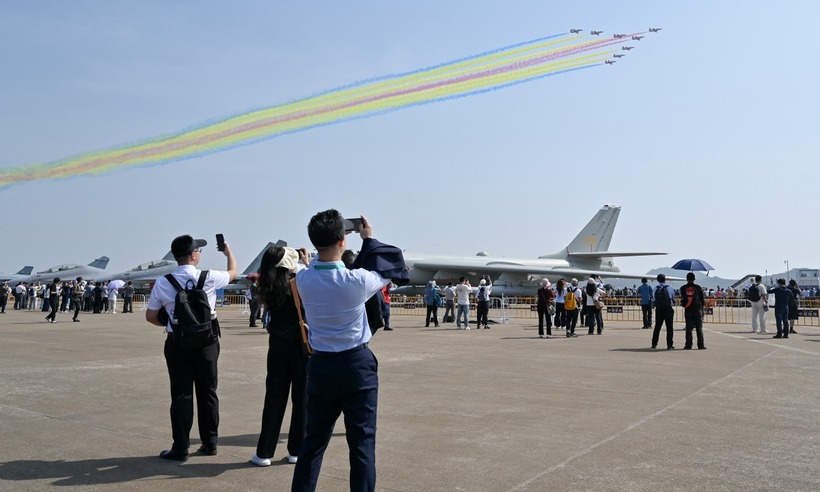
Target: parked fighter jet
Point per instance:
(595, 33)
(655, 29)
(619, 55)
(627, 48)
(16, 277)
(575, 31)
(70, 271)
(610, 62)
(638, 38)
(145, 273)
(586, 255)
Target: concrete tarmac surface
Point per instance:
(86, 405)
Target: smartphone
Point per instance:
(220, 242)
(353, 225)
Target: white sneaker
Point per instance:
(765, 332)
(541, 336)
(292, 459)
(256, 460)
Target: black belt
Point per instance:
(343, 352)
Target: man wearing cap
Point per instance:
(189, 369)
(342, 373)
(482, 296)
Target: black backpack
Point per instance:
(662, 299)
(192, 322)
(754, 293)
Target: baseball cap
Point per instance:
(185, 245)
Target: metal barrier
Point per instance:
(618, 308)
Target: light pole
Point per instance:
(787, 269)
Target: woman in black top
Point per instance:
(286, 363)
(793, 315)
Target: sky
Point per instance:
(704, 134)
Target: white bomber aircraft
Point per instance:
(588, 254)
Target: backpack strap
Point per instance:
(202, 276)
(173, 281)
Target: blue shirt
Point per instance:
(646, 294)
(333, 298)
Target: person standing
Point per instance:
(190, 369)
(782, 298)
(77, 293)
(794, 313)
(112, 298)
(53, 299)
(647, 297)
(664, 312)
(286, 363)
(431, 298)
(18, 289)
(572, 306)
(449, 304)
(692, 300)
(386, 305)
(253, 303)
(5, 290)
(128, 298)
(98, 298)
(65, 296)
(463, 290)
(343, 371)
(485, 288)
(545, 296)
(759, 299)
(592, 314)
(560, 311)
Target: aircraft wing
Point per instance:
(504, 267)
(612, 254)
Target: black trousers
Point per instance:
(694, 319)
(254, 308)
(482, 310)
(54, 302)
(127, 304)
(431, 309)
(572, 320)
(646, 310)
(663, 315)
(78, 303)
(189, 371)
(286, 376)
(544, 316)
(4, 299)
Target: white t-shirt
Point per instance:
(164, 294)
(463, 294)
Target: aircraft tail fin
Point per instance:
(100, 262)
(597, 234)
(254, 266)
(26, 270)
(169, 256)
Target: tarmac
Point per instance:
(86, 405)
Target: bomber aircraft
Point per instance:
(16, 277)
(586, 255)
(70, 271)
(595, 33)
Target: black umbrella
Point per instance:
(693, 265)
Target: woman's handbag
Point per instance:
(303, 327)
(598, 304)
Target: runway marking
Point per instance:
(635, 425)
(766, 342)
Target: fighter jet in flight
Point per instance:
(575, 31)
(618, 55)
(595, 33)
(627, 48)
(638, 38)
(610, 62)
(655, 29)
(619, 36)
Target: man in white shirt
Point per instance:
(759, 297)
(463, 290)
(190, 368)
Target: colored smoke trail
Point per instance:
(484, 72)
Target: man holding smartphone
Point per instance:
(343, 372)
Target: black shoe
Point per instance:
(785, 336)
(654, 346)
(687, 347)
(207, 449)
(671, 347)
(792, 331)
(573, 335)
(427, 326)
(778, 336)
(702, 348)
(251, 326)
(174, 454)
(75, 320)
(388, 329)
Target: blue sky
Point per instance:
(705, 133)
